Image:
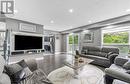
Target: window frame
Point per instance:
(116, 43)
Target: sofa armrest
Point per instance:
(112, 58)
(118, 75)
(4, 79)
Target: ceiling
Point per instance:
(60, 15)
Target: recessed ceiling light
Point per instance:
(51, 21)
(128, 10)
(90, 21)
(15, 11)
(71, 10)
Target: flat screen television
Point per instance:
(23, 42)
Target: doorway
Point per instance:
(73, 42)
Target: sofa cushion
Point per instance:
(118, 68)
(127, 65)
(108, 54)
(18, 71)
(120, 61)
(103, 54)
(96, 53)
(22, 63)
(13, 68)
(15, 71)
(116, 81)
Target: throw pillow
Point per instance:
(18, 71)
(120, 61)
(27, 72)
(12, 68)
(22, 63)
(108, 54)
(15, 72)
(26, 69)
(127, 65)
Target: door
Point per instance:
(72, 43)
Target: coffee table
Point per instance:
(76, 65)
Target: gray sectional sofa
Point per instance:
(22, 72)
(103, 56)
(118, 72)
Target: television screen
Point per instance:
(27, 42)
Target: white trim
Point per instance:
(27, 34)
(27, 27)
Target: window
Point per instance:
(117, 37)
(73, 43)
(73, 39)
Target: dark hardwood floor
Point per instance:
(46, 62)
(52, 62)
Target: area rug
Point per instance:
(89, 75)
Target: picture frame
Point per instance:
(27, 27)
(88, 37)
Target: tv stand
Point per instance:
(27, 51)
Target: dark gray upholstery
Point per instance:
(120, 61)
(100, 55)
(117, 73)
(31, 63)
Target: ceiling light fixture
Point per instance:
(71, 10)
(51, 21)
(128, 10)
(90, 21)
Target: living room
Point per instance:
(64, 42)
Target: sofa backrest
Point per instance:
(96, 50)
(92, 50)
(110, 49)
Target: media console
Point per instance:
(27, 51)
(23, 43)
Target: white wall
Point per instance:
(58, 43)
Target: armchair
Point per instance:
(118, 73)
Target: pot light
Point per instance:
(128, 10)
(89, 21)
(51, 21)
(71, 10)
